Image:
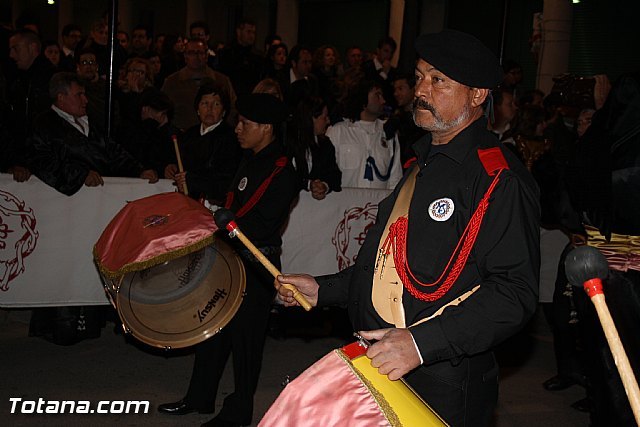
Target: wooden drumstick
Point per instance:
(224, 219)
(180, 168)
(587, 266)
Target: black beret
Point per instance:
(262, 108)
(461, 57)
(156, 99)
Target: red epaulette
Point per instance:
(492, 159)
(409, 162)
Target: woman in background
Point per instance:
(209, 150)
(311, 151)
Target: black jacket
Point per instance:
(27, 97)
(504, 261)
(263, 224)
(323, 165)
(62, 157)
(210, 160)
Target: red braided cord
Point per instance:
(397, 243)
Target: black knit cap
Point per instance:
(461, 57)
(262, 108)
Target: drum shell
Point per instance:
(176, 315)
(343, 388)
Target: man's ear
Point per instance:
(478, 96)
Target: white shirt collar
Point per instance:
(292, 76)
(83, 127)
(377, 63)
(67, 51)
(204, 131)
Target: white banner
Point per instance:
(324, 236)
(47, 238)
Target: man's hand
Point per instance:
(394, 354)
(149, 174)
(20, 173)
(181, 181)
(319, 189)
(170, 171)
(305, 283)
(93, 179)
(601, 90)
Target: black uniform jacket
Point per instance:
(211, 160)
(61, 156)
(505, 260)
(323, 165)
(263, 224)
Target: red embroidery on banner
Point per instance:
(351, 231)
(18, 237)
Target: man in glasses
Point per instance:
(89, 74)
(183, 85)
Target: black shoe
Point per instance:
(181, 408)
(582, 405)
(558, 383)
(219, 422)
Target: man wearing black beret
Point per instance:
(260, 197)
(450, 269)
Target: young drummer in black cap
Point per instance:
(465, 214)
(260, 197)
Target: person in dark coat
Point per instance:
(260, 196)
(209, 150)
(393, 288)
(27, 95)
(149, 138)
(66, 153)
(240, 60)
(311, 151)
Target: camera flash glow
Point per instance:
(51, 1)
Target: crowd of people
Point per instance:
(255, 129)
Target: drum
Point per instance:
(343, 388)
(171, 281)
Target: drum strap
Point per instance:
(255, 197)
(393, 274)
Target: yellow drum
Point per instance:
(344, 389)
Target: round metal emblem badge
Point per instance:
(242, 184)
(441, 209)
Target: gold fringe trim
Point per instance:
(382, 403)
(142, 265)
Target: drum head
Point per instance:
(184, 301)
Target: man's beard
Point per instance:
(439, 124)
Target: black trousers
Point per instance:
(566, 337)
(463, 392)
(243, 338)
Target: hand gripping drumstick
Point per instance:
(224, 219)
(586, 266)
(180, 168)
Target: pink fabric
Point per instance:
(147, 228)
(326, 394)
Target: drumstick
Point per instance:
(224, 219)
(587, 266)
(180, 168)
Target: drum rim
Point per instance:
(183, 339)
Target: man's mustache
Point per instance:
(423, 105)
